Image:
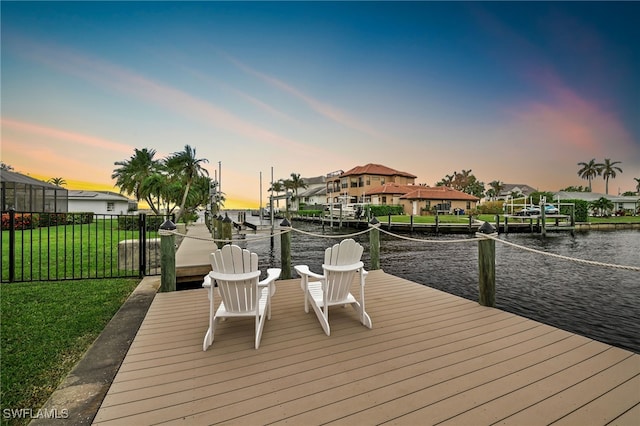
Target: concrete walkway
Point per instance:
(192, 257)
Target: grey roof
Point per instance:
(97, 195)
(593, 196)
(8, 176)
(315, 180)
(319, 190)
(508, 187)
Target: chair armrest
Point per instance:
(207, 281)
(343, 268)
(304, 270)
(234, 277)
(272, 275)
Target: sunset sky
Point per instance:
(516, 92)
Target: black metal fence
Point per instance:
(40, 246)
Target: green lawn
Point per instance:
(68, 251)
(45, 329)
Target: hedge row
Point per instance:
(42, 220)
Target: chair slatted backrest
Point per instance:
(238, 296)
(338, 284)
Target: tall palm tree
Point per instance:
(637, 185)
(185, 165)
(296, 182)
(590, 170)
(608, 170)
(132, 173)
(57, 181)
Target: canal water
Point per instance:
(598, 302)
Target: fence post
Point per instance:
(218, 233)
(12, 245)
(486, 266)
(374, 243)
(142, 245)
(227, 229)
(285, 250)
(167, 256)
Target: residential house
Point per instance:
(100, 202)
(315, 194)
(420, 200)
(516, 190)
(628, 203)
(353, 185)
(26, 194)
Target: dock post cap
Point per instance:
(285, 222)
(167, 225)
(487, 228)
(374, 221)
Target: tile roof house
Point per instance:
(418, 200)
(352, 186)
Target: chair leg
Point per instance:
(365, 319)
(208, 340)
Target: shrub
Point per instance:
(384, 210)
(130, 223)
(581, 209)
(490, 207)
(22, 221)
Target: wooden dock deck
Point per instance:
(431, 358)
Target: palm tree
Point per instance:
(132, 173)
(496, 188)
(296, 182)
(608, 170)
(57, 181)
(185, 165)
(277, 187)
(637, 185)
(604, 205)
(590, 170)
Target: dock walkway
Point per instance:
(431, 358)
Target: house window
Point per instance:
(384, 199)
(354, 183)
(110, 206)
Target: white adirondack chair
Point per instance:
(341, 264)
(236, 272)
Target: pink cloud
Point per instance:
(32, 129)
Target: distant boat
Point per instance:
(346, 211)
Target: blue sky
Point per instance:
(516, 92)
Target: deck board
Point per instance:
(430, 358)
